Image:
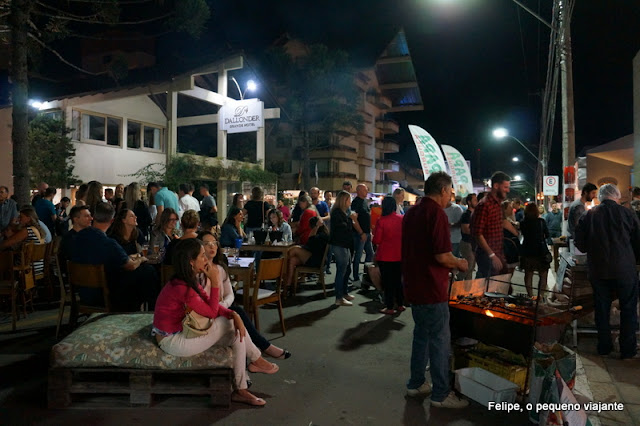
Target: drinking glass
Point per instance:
(156, 249)
(145, 250)
(238, 247)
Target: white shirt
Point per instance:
(189, 202)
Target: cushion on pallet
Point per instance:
(125, 341)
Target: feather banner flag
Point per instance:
(430, 156)
(459, 169)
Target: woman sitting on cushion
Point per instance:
(196, 285)
(227, 297)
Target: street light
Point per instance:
(517, 178)
(501, 133)
(251, 86)
(515, 159)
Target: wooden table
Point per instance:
(243, 270)
(284, 249)
(557, 243)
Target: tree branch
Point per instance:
(64, 13)
(119, 38)
(63, 60)
(91, 21)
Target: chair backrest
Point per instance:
(39, 255)
(25, 266)
(324, 257)
(269, 269)
(89, 276)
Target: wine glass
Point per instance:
(238, 246)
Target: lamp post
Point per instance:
(501, 133)
(251, 86)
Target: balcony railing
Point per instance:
(387, 126)
(388, 166)
(387, 146)
(333, 152)
(379, 101)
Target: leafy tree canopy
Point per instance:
(52, 152)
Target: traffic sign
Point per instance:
(550, 185)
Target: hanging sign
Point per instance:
(241, 116)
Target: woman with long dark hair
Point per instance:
(534, 249)
(232, 228)
(125, 231)
(196, 285)
(165, 228)
(388, 237)
(95, 193)
(278, 223)
(227, 297)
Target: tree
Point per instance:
(34, 25)
(317, 93)
(51, 152)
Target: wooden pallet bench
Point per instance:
(115, 355)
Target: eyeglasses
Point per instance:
(210, 244)
(173, 219)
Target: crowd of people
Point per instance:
(415, 248)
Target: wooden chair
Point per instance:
(41, 254)
(88, 277)
(269, 269)
(9, 285)
(312, 270)
(56, 271)
(23, 270)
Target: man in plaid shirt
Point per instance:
(486, 228)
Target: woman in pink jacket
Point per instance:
(195, 285)
(388, 237)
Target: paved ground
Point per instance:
(349, 367)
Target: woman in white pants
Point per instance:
(202, 296)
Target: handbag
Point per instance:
(194, 325)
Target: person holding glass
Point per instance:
(164, 231)
(232, 228)
(196, 284)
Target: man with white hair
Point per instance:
(610, 235)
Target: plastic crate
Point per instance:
(484, 387)
(513, 373)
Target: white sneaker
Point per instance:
(423, 390)
(343, 302)
(451, 401)
(349, 297)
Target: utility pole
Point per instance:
(566, 83)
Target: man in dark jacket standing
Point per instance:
(610, 235)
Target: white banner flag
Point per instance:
(459, 168)
(430, 156)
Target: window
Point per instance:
(96, 128)
(54, 115)
(133, 134)
(153, 138)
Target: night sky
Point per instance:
(479, 64)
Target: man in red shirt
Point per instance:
(426, 262)
(486, 228)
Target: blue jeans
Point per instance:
(357, 253)
(327, 263)
(431, 342)
(627, 291)
(455, 249)
(343, 259)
